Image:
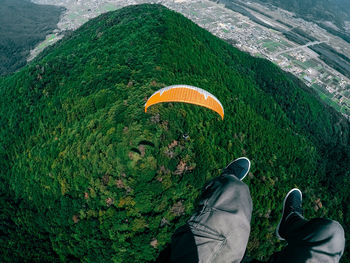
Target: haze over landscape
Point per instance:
(86, 174)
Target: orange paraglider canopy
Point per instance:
(187, 94)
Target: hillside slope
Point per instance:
(86, 175)
(23, 25)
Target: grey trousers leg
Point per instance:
(316, 240)
(219, 230)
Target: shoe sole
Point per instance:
(284, 203)
(240, 158)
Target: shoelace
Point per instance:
(297, 210)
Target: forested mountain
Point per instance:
(23, 25)
(87, 176)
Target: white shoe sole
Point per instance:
(284, 202)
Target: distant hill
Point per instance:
(87, 176)
(319, 11)
(332, 10)
(23, 25)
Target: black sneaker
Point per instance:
(239, 168)
(291, 204)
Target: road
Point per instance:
(299, 47)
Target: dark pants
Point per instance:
(219, 230)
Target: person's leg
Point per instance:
(316, 240)
(219, 230)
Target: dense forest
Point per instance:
(23, 25)
(87, 176)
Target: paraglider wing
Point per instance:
(187, 94)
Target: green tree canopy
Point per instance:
(86, 175)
